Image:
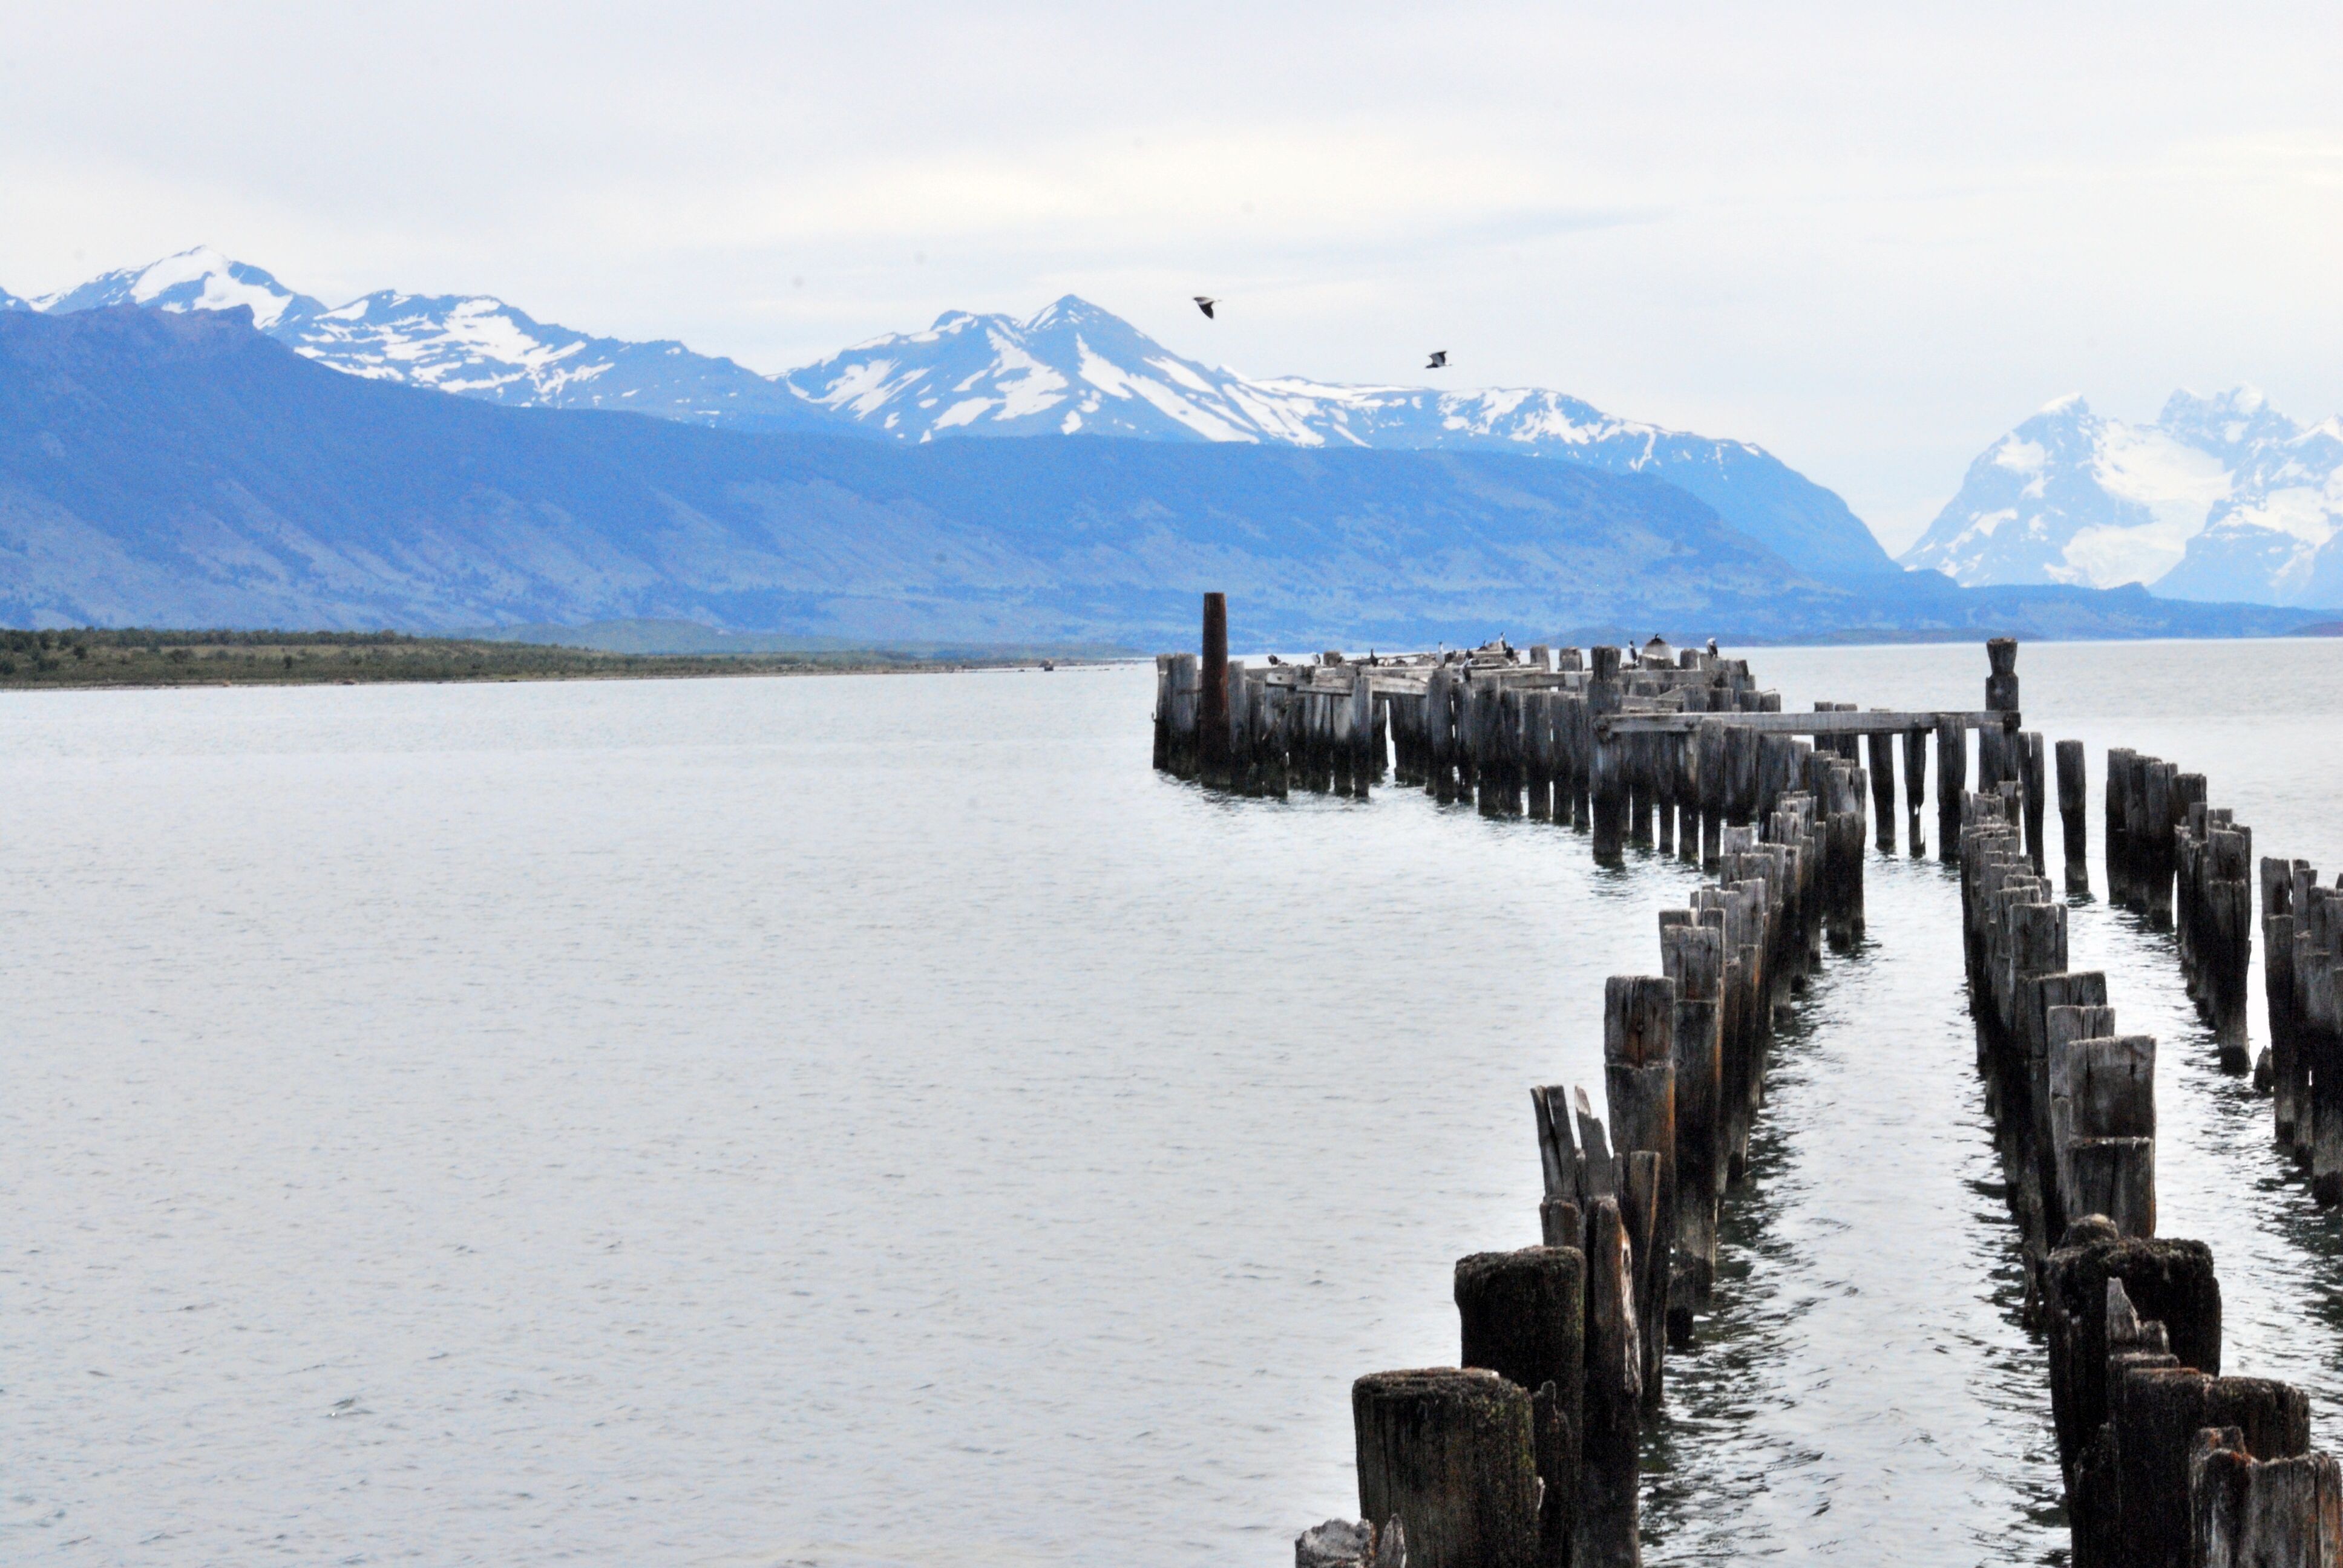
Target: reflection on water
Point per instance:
(1863, 1377)
(877, 1121)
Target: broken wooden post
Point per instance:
(1524, 1316)
(2155, 1412)
(1449, 1452)
(2169, 1281)
(2246, 1510)
(1639, 1084)
(1609, 1451)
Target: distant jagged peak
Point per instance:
(200, 278)
(2220, 497)
(2068, 407)
(2227, 423)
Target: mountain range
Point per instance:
(164, 467)
(1073, 368)
(2221, 497)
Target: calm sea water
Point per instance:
(875, 1120)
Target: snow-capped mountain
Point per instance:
(11, 302)
(2222, 498)
(1072, 369)
(1076, 369)
(198, 279)
(472, 344)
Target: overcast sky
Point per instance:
(1869, 242)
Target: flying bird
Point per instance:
(1439, 360)
(1204, 302)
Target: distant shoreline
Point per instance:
(98, 660)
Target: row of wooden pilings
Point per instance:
(1294, 727)
(1546, 734)
(2166, 1462)
(1527, 1452)
(2186, 863)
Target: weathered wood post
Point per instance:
(2030, 766)
(1692, 954)
(1639, 1084)
(1163, 711)
(1524, 1317)
(1366, 750)
(1186, 688)
(1952, 780)
(1212, 704)
(2319, 1022)
(2117, 791)
(2155, 1413)
(2159, 798)
(2228, 914)
(2288, 1077)
(1609, 784)
(1881, 748)
(2245, 1510)
(1995, 759)
(2172, 1281)
(2072, 790)
(1916, 789)
(1450, 1453)
(1609, 1453)
(1711, 771)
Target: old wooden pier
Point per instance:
(1525, 1454)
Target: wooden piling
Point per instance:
(2155, 1413)
(1212, 702)
(1882, 750)
(2289, 1076)
(1610, 1464)
(2029, 744)
(2245, 1510)
(1524, 1316)
(1639, 1085)
(1692, 955)
(2171, 1282)
(1952, 781)
(2071, 795)
(1450, 1453)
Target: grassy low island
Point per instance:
(103, 657)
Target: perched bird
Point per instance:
(1439, 360)
(1204, 302)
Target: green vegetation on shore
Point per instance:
(97, 657)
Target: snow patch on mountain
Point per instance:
(197, 279)
(2221, 497)
(472, 344)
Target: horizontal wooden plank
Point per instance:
(1801, 723)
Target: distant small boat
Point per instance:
(1048, 664)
